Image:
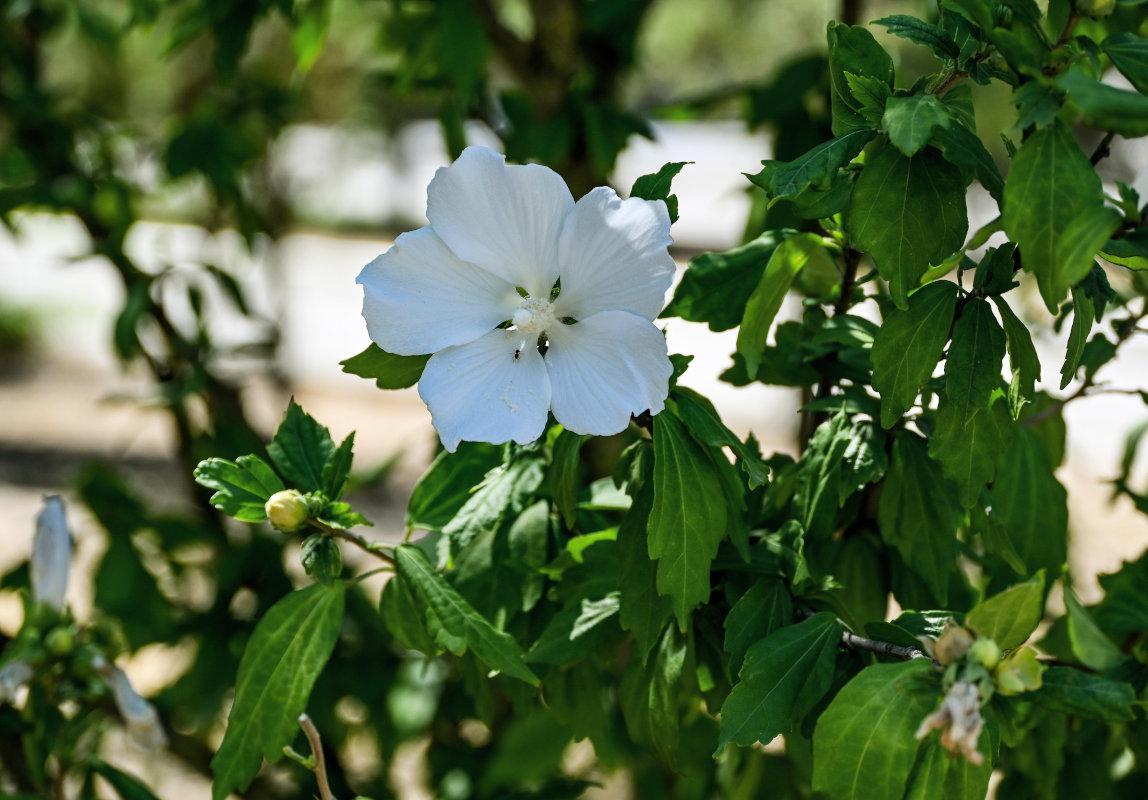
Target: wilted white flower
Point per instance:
(959, 721)
(13, 676)
(51, 554)
(139, 715)
(477, 288)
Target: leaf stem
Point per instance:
(1069, 27)
(377, 549)
(320, 770)
(1102, 150)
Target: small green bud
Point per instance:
(985, 652)
(287, 510)
(1097, 9)
(1020, 672)
(60, 641)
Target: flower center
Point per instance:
(533, 316)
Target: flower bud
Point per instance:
(1020, 672)
(60, 640)
(287, 510)
(985, 652)
(952, 644)
(1097, 9)
(51, 554)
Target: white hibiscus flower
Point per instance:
(529, 302)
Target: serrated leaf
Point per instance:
(1049, 184)
(1124, 608)
(864, 743)
(765, 300)
(909, 121)
(405, 618)
(387, 370)
(973, 366)
(1083, 316)
(703, 421)
(784, 676)
(935, 38)
(1105, 107)
(649, 696)
(241, 487)
(968, 451)
(321, 557)
(763, 609)
(962, 147)
(657, 186)
(576, 631)
(1090, 644)
(454, 623)
(938, 773)
(688, 519)
(818, 491)
(301, 448)
(918, 513)
(1078, 245)
(565, 468)
(1074, 691)
(816, 169)
(283, 658)
(1129, 54)
(643, 611)
(504, 491)
(978, 12)
(853, 49)
(908, 347)
(870, 94)
(1023, 360)
(716, 285)
(1010, 617)
(448, 483)
(338, 468)
(908, 213)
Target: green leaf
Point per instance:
(657, 187)
(715, 287)
(1049, 184)
(1029, 503)
(1037, 106)
(565, 468)
(688, 520)
(871, 95)
(1073, 691)
(1105, 107)
(1124, 608)
(973, 366)
(936, 39)
(1023, 360)
(816, 169)
(938, 773)
(909, 121)
(1083, 316)
(643, 611)
(1090, 644)
(448, 483)
(404, 617)
(763, 609)
(818, 491)
(241, 487)
(338, 468)
(968, 451)
(283, 657)
(454, 623)
(321, 557)
(978, 12)
(1078, 245)
(908, 213)
(1129, 54)
(700, 416)
(853, 49)
(784, 676)
(1010, 617)
(576, 631)
(387, 370)
(650, 695)
(127, 786)
(908, 347)
(918, 513)
(301, 448)
(962, 147)
(765, 301)
(505, 491)
(864, 743)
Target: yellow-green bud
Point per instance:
(287, 510)
(1020, 672)
(60, 641)
(1096, 9)
(985, 652)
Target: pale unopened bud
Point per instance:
(140, 716)
(287, 510)
(51, 554)
(959, 721)
(985, 652)
(952, 644)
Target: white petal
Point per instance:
(614, 254)
(505, 219)
(481, 393)
(418, 297)
(51, 554)
(605, 368)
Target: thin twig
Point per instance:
(1102, 150)
(901, 651)
(312, 734)
(1069, 27)
(377, 549)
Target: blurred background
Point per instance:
(188, 190)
